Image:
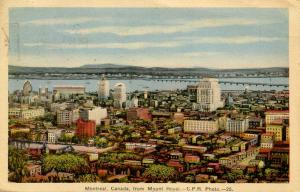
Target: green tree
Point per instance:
(160, 173)
(87, 178)
(101, 142)
(65, 162)
(16, 161)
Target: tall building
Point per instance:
(119, 95)
(103, 88)
(209, 95)
(85, 128)
(95, 113)
(27, 88)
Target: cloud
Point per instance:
(133, 45)
(230, 40)
(201, 54)
(60, 21)
(179, 26)
(181, 41)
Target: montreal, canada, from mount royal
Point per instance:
(148, 95)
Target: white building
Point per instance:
(26, 114)
(119, 95)
(67, 90)
(209, 95)
(103, 88)
(53, 135)
(201, 126)
(96, 114)
(237, 125)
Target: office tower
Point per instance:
(119, 95)
(103, 88)
(209, 95)
(27, 88)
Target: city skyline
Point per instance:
(184, 37)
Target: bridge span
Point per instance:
(225, 82)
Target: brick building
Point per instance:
(85, 128)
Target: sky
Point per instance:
(149, 37)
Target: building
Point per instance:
(103, 88)
(64, 117)
(67, 90)
(85, 128)
(192, 92)
(276, 117)
(178, 117)
(53, 135)
(94, 113)
(138, 113)
(209, 95)
(26, 114)
(33, 169)
(43, 92)
(201, 126)
(237, 126)
(281, 133)
(267, 140)
(27, 88)
(119, 95)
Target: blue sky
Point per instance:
(160, 37)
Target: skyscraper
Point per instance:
(209, 95)
(103, 88)
(119, 94)
(27, 88)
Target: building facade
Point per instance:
(85, 128)
(276, 117)
(119, 95)
(26, 114)
(201, 126)
(237, 126)
(103, 88)
(209, 95)
(95, 113)
(27, 88)
(64, 117)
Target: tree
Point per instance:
(66, 163)
(158, 173)
(87, 178)
(101, 141)
(16, 162)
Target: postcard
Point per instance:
(150, 96)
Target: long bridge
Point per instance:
(224, 82)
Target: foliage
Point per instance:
(118, 157)
(87, 178)
(65, 162)
(16, 162)
(160, 173)
(101, 141)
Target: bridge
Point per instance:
(224, 82)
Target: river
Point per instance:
(138, 84)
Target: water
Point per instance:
(132, 85)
